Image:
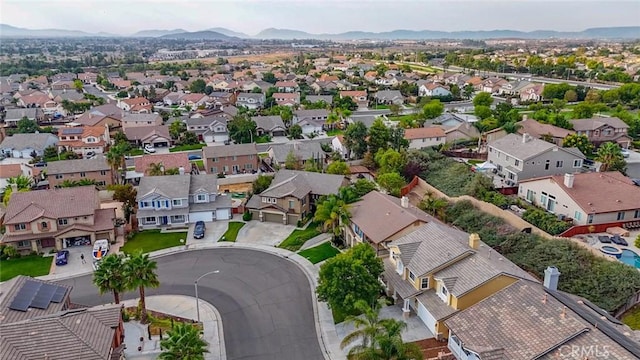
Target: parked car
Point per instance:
(619, 240)
(62, 257)
(149, 148)
(40, 164)
(90, 155)
(195, 157)
(604, 239)
(198, 231)
(625, 153)
(636, 181)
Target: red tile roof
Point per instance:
(170, 161)
(424, 133)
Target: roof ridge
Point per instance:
(59, 320)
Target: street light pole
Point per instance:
(195, 283)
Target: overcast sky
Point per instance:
(318, 16)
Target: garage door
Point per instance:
(276, 218)
(292, 219)
(223, 214)
(426, 317)
(200, 216)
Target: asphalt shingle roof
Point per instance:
(513, 145)
(29, 141)
(97, 163)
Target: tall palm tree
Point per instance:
(22, 183)
(511, 127)
(610, 155)
(110, 276)
(155, 169)
(115, 159)
(391, 346)
(368, 327)
(434, 206)
(184, 342)
(332, 212)
(141, 273)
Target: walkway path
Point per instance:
(315, 241)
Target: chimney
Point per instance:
(568, 180)
(404, 202)
(474, 241)
(551, 276)
(525, 138)
(181, 170)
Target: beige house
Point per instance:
(425, 137)
(96, 169)
(587, 198)
(535, 129)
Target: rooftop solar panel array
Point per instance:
(37, 295)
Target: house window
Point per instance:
(177, 202)
(620, 215)
(292, 204)
(577, 163)
(412, 276)
(18, 227)
(144, 204)
(248, 166)
(177, 219)
(24, 243)
(517, 162)
(63, 221)
(214, 170)
(235, 158)
(58, 176)
(214, 159)
(201, 197)
(577, 215)
(150, 220)
(103, 172)
(44, 225)
(83, 174)
(559, 163)
(530, 195)
(546, 165)
(636, 214)
(590, 219)
(543, 199)
(424, 283)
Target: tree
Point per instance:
(176, 129)
(610, 155)
(126, 194)
(241, 129)
(78, 85)
(467, 91)
(21, 182)
(261, 183)
(367, 328)
(432, 109)
(482, 112)
(395, 109)
(295, 131)
(392, 182)
(332, 212)
(378, 136)
(556, 91)
(50, 152)
(355, 138)
(198, 86)
(397, 140)
(434, 206)
(349, 277)
(390, 160)
(390, 342)
(110, 276)
(140, 272)
(155, 169)
(583, 110)
(578, 141)
(338, 167)
(183, 342)
(115, 159)
(269, 77)
(511, 127)
(292, 162)
(26, 126)
(571, 96)
(363, 186)
(482, 99)
(593, 96)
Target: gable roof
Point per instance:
(29, 141)
(388, 95)
(513, 145)
(11, 288)
(52, 203)
(133, 118)
(424, 133)
(10, 170)
(19, 113)
(537, 129)
(301, 114)
(268, 123)
(381, 216)
(170, 186)
(304, 150)
(230, 150)
(300, 183)
(97, 163)
(315, 98)
(598, 122)
(144, 132)
(170, 161)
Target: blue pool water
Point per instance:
(630, 258)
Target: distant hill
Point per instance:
(12, 31)
(284, 34)
(157, 33)
(225, 31)
(200, 35)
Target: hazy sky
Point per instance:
(318, 16)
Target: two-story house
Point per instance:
(210, 129)
(603, 129)
(269, 125)
(195, 100)
(378, 219)
(177, 200)
(287, 99)
(83, 140)
(292, 195)
(425, 137)
(42, 220)
(251, 101)
(138, 105)
(358, 97)
(26, 145)
(521, 157)
(437, 271)
(131, 120)
(535, 129)
(231, 159)
(311, 121)
(286, 86)
(156, 136)
(96, 169)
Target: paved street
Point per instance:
(265, 301)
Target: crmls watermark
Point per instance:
(584, 352)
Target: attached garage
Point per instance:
(271, 217)
(206, 216)
(223, 214)
(292, 219)
(426, 317)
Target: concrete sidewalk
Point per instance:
(322, 238)
(181, 306)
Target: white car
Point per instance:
(625, 153)
(149, 148)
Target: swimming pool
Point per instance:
(611, 250)
(630, 258)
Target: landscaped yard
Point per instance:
(334, 132)
(135, 152)
(298, 237)
(199, 164)
(187, 147)
(632, 318)
(32, 265)
(152, 240)
(232, 231)
(319, 253)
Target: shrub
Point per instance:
(247, 216)
(545, 221)
(637, 241)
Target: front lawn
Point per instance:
(135, 152)
(32, 265)
(298, 237)
(263, 139)
(334, 132)
(199, 164)
(187, 147)
(232, 231)
(319, 253)
(152, 240)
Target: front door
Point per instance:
(164, 220)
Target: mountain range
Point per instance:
(627, 32)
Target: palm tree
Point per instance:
(155, 169)
(610, 155)
(115, 159)
(332, 119)
(434, 206)
(391, 345)
(141, 273)
(110, 276)
(22, 183)
(184, 342)
(332, 212)
(511, 127)
(368, 327)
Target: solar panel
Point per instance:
(44, 296)
(59, 294)
(25, 295)
(69, 131)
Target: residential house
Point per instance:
(64, 77)
(328, 99)
(377, 219)
(83, 139)
(311, 121)
(103, 115)
(8, 171)
(287, 86)
(12, 116)
(63, 95)
(62, 84)
(137, 105)
(231, 159)
(287, 99)
(532, 93)
(38, 100)
(339, 146)
(195, 100)
(42, 220)
(527, 320)
(462, 131)
(437, 271)
(269, 125)
(389, 97)
(585, 198)
(514, 88)
(210, 129)
(155, 135)
(219, 99)
(492, 85)
(323, 86)
(304, 151)
(292, 195)
(96, 169)
(173, 98)
(251, 101)
(177, 200)
(38, 319)
(475, 82)
(169, 161)
(132, 120)
(358, 97)
(433, 90)
(603, 129)
(88, 78)
(425, 137)
(535, 129)
(521, 157)
(25, 145)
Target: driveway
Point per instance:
(264, 233)
(264, 300)
(75, 265)
(214, 230)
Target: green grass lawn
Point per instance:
(298, 237)
(187, 147)
(32, 265)
(232, 231)
(152, 240)
(319, 253)
(335, 132)
(135, 152)
(632, 318)
(199, 164)
(474, 162)
(263, 139)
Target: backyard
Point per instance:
(232, 231)
(632, 318)
(152, 240)
(298, 237)
(32, 265)
(319, 253)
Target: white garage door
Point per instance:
(426, 317)
(200, 216)
(223, 214)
